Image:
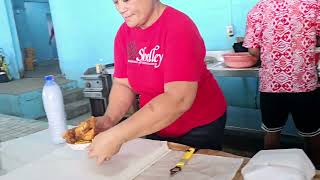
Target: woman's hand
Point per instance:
(104, 123)
(104, 146)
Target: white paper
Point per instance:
(65, 163)
(199, 167)
(284, 164)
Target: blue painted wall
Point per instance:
(85, 31)
(9, 39)
(212, 17)
(84, 34)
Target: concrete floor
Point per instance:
(44, 68)
(24, 85)
(12, 127)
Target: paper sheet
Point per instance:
(200, 167)
(65, 163)
(21, 151)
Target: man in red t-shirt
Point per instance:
(159, 54)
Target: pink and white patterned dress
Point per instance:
(285, 31)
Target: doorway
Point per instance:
(38, 34)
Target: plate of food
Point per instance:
(80, 137)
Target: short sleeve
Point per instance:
(184, 53)
(120, 54)
(253, 29)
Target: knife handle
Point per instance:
(186, 156)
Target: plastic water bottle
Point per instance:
(54, 107)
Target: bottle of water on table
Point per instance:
(54, 107)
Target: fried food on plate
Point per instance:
(70, 136)
(83, 133)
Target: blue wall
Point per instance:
(84, 34)
(9, 39)
(85, 31)
(212, 17)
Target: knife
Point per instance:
(185, 158)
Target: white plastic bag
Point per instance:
(282, 164)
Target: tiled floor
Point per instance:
(12, 127)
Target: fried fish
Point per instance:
(83, 133)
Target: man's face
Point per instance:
(136, 13)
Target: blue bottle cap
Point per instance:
(49, 78)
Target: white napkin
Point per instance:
(282, 164)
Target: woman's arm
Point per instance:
(254, 52)
(159, 112)
(154, 116)
(120, 100)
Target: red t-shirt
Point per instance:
(171, 49)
